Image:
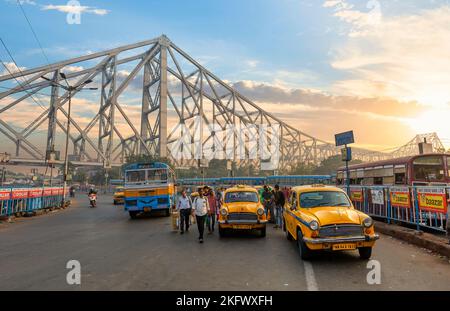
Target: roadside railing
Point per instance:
(27, 200)
(423, 207)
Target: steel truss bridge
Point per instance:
(172, 88)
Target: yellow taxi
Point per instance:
(322, 217)
(242, 210)
(119, 195)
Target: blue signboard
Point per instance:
(344, 138)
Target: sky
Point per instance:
(379, 67)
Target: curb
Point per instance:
(426, 240)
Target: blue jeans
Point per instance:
(279, 216)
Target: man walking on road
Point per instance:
(267, 200)
(279, 204)
(212, 209)
(184, 206)
(201, 209)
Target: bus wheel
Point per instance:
(167, 212)
(133, 214)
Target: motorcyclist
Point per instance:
(94, 192)
(267, 197)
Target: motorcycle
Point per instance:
(93, 199)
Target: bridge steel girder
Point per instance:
(175, 89)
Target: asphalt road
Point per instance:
(117, 253)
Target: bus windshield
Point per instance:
(429, 168)
(323, 198)
(135, 176)
(146, 176)
(241, 196)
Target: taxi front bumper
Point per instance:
(363, 238)
(242, 222)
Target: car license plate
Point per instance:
(147, 209)
(243, 227)
(347, 246)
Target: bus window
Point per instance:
(448, 166)
(429, 168)
(137, 176)
(388, 180)
(378, 180)
(400, 178)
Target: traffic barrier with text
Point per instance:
(423, 207)
(26, 200)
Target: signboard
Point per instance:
(35, 193)
(346, 154)
(21, 193)
(377, 196)
(344, 138)
(47, 192)
(55, 191)
(400, 197)
(356, 195)
(433, 200)
(5, 194)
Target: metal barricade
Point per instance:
(423, 207)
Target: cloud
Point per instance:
(10, 68)
(403, 56)
(75, 9)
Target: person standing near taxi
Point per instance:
(201, 210)
(212, 209)
(279, 204)
(184, 206)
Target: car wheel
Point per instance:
(222, 232)
(133, 214)
(288, 235)
(365, 252)
(115, 202)
(305, 252)
(263, 232)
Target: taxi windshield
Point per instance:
(241, 196)
(323, 198)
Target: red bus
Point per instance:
(419, 170)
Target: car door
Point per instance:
(290, 219)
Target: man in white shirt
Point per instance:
(185, 207)
(201, 209)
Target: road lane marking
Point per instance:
(311, 283)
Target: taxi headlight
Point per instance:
(223, 212)
(260, 211)
(368, 222)
(314, 225)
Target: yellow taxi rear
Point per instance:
(322, 217)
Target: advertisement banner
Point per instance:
(5, 194)
(432, 200)
(356, 195)
(55, 191)
(377, 196)
(35, 193)
(21, 193)
(400, 197)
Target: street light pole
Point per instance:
(66, 162)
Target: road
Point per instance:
(117, 253)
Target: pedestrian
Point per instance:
(212, 209)
(267, 199)
(279, 204)
(201, 210)
(184, 206)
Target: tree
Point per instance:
(331, 165)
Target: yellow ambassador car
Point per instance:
(322, 217)
(242, 210)
(119, 195)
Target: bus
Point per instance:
(149, 187)
(419, 170)
(298, 180)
